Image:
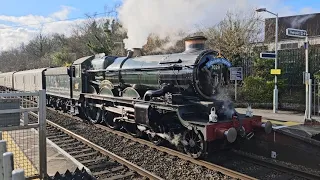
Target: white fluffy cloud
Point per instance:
(23, 28)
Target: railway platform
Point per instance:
(25, 146)
(281, 118)
(291, 137)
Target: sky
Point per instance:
(21, 20)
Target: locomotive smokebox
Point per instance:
(194, 43)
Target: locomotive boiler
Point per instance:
(196, 73)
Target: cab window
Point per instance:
(77, 71)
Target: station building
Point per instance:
(309, 22)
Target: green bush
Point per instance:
(258, 90)
(317, 76)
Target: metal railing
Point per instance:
(27, 146)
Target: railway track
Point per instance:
(234, 164)
(258, 167)
(68, 140)
(288, 172)
(103, 164)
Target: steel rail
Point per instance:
(103, 151)
(182, 156)
(172, 152)
(278, 166)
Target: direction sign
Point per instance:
(236, 73)
(265, 55)
(296, 32)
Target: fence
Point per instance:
(291, 98)
(316, 98)
(27, 146)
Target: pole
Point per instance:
(307, 77)
(310, 99)
(235, 90)
(8, 165)
(275, 92)
(314, 98)
(18, 174)
(318, 96)
(42, 134)
(3, 149)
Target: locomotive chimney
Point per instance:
(194, 43)
(137, 52)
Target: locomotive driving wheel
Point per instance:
(193, 143)
(132, 129)
(108, 119)
(92, 113)
(156, 139)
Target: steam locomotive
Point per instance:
(169, 98)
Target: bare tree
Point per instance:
(235, 35)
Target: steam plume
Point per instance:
(163, 17)
(298, 21)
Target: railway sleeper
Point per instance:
(87, 161)
(122, 176)
(86, 154)
(73, 145)
(56, 136)
(103, 165)
(60, 142)
(80, 151)
(74, 148)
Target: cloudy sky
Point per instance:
(21, 20)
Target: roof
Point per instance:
(31, 71)
(57, 71)
(7, 73)
(83, 59)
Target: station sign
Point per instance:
(265, 55)
(275, 71)
(236, 73)
(296, 32)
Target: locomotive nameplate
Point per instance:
(214, 61)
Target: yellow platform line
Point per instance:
(282, 123)
(20, 159)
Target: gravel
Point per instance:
(160, 163)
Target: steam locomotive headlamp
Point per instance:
(267, 127)
(249, 112)
(213, 116)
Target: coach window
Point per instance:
(77, 70)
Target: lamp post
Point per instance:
(275, 91)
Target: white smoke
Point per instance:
(298, 21)
(164, 17)
(223, 94)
